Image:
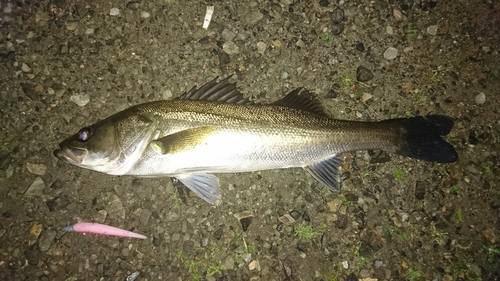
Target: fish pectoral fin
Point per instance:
(302, 99)
(204, 185)
(183, 140)
(327, 171)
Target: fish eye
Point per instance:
(84, 134)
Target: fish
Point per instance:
(215, 129)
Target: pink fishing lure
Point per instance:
(102, 229)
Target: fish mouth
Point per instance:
(74, 155)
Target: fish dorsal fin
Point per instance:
(223, 92)
(327, 171)
(301, 99)
(183, 140)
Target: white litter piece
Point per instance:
(208, 16)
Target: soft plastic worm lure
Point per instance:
(102, 229)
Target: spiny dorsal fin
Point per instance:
(223, 92)
(301, 99)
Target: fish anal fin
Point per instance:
(204, 185)
(302, 99)
(327, 171)
(222, 92)
(183, 140)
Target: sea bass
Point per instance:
(214, 129)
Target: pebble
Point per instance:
(284, 75)
(25, 68)
(8, 8)
(363, 74)
(389, 30)
(286, 219)
(261, 47)
(89, 31)
(114, 12)
(35, 188)
(230, 48)
(480, 98)
(391, 53)
(228, 35)
(80, 99)
(432, 30)
(145, 215)
(253, 17)
(397, 14)
(378, 263)
(254, 265)
(229, 263)
(300, 44)
(46, 239)
(37, 169)
(71, 25)
(337, 16)
(204, 242)
(145, 15)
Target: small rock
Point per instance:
(246, 257)
(218, 233)
(277, 43)
(286, 219)
(114, 12)
(229, 263)
(145, 15)
(481, 98)
(71, 25)
(365, 97)
(337, 16)
(230, 48)
(245, 223)
(254, 265)
(145, 215)
(89, 31)
(253, 17)
(204, 242)
(37, 169)
(337, 28)
(300, 44)
(8, 8)
(25, 68)
(80, 99)
(389, 30)
(46, 239)
(391, 53)
(172, 216)
(397, 14)
(261, 47)
(432, 30)
(284, 75)
(295, 214)
(363, 74)
(228, 35)
(35, 188)
(378, 263)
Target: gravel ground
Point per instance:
(65, 64)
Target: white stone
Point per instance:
(481, 98)
(114, 12)
(391, 53)
(80, 99)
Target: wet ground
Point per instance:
(67, 64)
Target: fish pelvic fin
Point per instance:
(223, 92)
(327, 171)
(204, 185)
(422, 138)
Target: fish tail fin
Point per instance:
(422, 138)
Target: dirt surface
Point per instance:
(68, 64)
